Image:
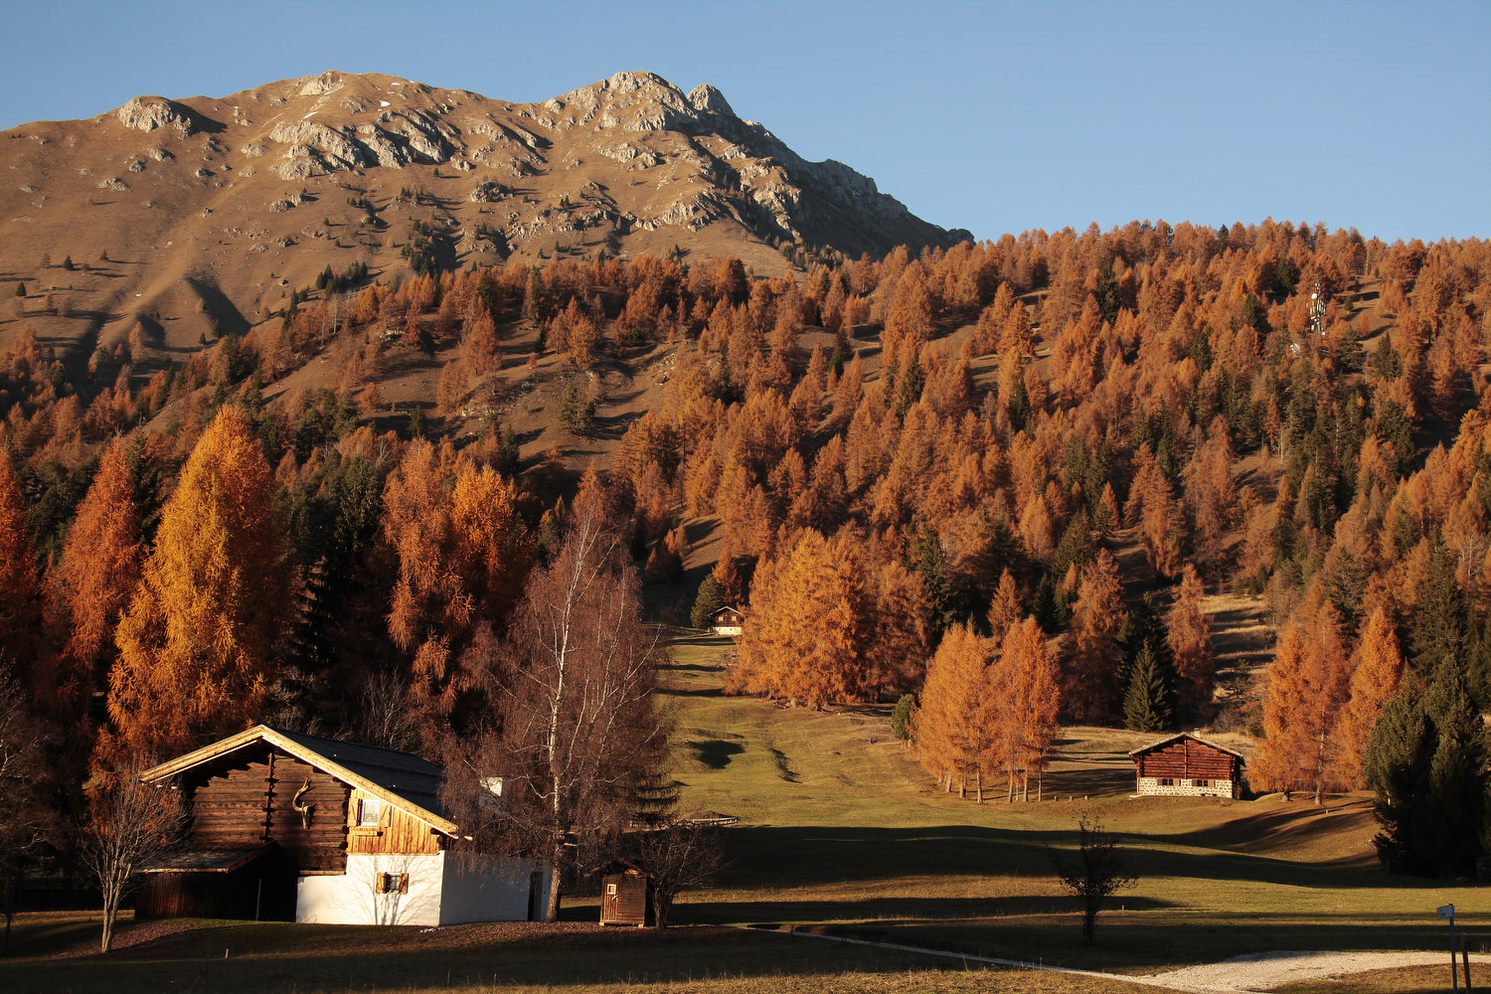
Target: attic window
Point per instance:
(369, 812)
(392, 883)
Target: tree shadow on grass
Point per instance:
(796, 856)
(303, 958)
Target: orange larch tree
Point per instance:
(1093, 682)
(1005, 610)
(1378, 669)
(91, 583)
(1027, 685)
(195, 643)
(1189, 636)
(463, 555)
(19, 588)
(1308, 685)
(956, 736)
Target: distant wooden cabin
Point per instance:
(288, 826)
(1185, 765)
(727, 621)
(626, 895)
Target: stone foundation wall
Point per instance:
(1185, 788)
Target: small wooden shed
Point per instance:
(1188, 766)
(626, 894)
(728, 620)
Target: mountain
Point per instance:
(196, 217)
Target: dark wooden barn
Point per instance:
(1185, 765)
(626, 895)
(727, 621)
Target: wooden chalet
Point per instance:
(1189, 766)
(626, 894)
(727, 620)
(290, 826)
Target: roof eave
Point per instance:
(331, 767)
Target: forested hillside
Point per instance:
(1039, 454)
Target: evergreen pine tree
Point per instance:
(1438, 634)
(930, 560)
(1397, 769)
(901, 718)
(1457, 774)
(1427, 763)
(709, 600)
(1146, 706)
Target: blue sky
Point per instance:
(991, 116)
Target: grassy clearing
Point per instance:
(857, 841)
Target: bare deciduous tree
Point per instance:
(576, 728)
(677, 856)
(23, 816)
(1094, 873)
(133, 824)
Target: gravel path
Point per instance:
(1265, 971)
(1239, 975)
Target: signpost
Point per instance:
(1448, 911)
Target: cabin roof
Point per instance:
(729, 607)
(1183, 735)
(400, 778)
(204, 860)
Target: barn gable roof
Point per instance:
(1185, 735)
(399, 778)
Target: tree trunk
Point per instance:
(1009, 796)
(551, 910)
(1025, 787)
(979, 780)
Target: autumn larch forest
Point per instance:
(997, 481)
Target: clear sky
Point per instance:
(991, 116)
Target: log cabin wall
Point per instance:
(257, 801)
(1188, 760)
(396, 834)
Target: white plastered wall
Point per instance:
(480, 888)
(352, 898)
(444, 889)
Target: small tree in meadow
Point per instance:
(1094, 873)
(901, 718)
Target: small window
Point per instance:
(610, 890)
(369, 812)
(1200, 783)
(1167, 781)
(392, 883)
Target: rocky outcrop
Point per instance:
(151, 113)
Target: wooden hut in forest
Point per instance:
(626, 894)
(1185, 765)
(727, 620)
(289, 826)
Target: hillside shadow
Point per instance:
(768, 856)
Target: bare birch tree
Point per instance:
(576, 729)
(23, 816)
(133, 824)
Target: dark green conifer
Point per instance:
(711, 598)
(1147, 706)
